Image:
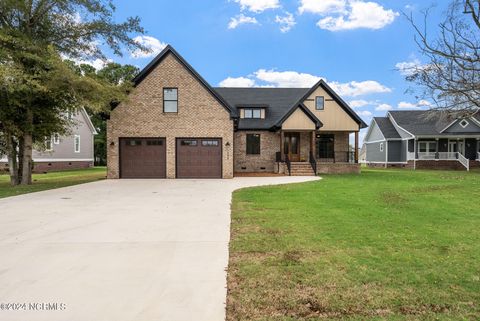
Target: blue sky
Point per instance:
(354, 44)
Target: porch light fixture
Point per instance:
(112, 143)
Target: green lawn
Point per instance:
(52, 180)
(384, 245)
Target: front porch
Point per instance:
(316, 152)
(444, 151)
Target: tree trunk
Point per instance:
(20, 145)
(27, 159)
(12, 160)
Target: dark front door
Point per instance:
(199, 158)
(291, 146)
(142, 158)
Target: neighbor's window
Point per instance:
(319, 103)
(76, 143)
(253, 144)
(170, 100)
(56, 138)
(381, 147)
(253, 113)
(48, 144)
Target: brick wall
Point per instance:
(269, 146)
(338, 168)
(141, 115)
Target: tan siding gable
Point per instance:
(333, 117)
(298, 121)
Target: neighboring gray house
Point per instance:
(66, 152)
(423, 139)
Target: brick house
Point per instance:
(175, 125)
(423, 140)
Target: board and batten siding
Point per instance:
(396, 151)
(333, 116)
(298, 120)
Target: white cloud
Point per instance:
(358, 103)
(155, 46)
(286, 22)
(293, 79)
(364, 113)
(237, 82)
(322, 6)
(383, 107)
(369, 15)
(240, 20)
(290, 79)
(356, 88)
(418, 105)
(407, 68)
(258, 5)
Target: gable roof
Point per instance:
(424, 123)
(307, 112)
(88, 121)
(278, 100)
(336, 98)
(169, 50)
(387, 128)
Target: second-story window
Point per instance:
(253, 113)
(319, 103)
(170, 100)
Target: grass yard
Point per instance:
(52, 180)
(384, 245)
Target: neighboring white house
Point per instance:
(66, 152)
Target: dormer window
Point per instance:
(252, 113)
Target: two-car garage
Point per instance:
(147, 158)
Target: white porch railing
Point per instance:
(465, 161)
(425, 156)
(447, 156)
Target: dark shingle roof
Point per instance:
(278, 100)
(387, 128)
(420, 122)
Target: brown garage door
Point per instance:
(142, 158)
(199, 158)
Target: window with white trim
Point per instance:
(464, 123)
(381, 147)
(429, 148)
(252, 113)
(76, 143)
(56, 138)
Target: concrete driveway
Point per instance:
(119, 250)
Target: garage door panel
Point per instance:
(199, 158)
(142, 158)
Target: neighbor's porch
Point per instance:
(465, 150)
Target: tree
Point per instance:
(116, 75)
(451, 75)
(37, 87)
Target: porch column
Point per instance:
(437, 155)
(281, 145)
(312, 143)
(356, 148)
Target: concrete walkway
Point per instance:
(119, 250)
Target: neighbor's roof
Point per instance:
(387, 128)
(423, 123)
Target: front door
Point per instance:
(291, 146)
(456, 146)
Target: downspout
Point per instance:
(414, 153)
(386, 153)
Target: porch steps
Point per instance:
(301, 169)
